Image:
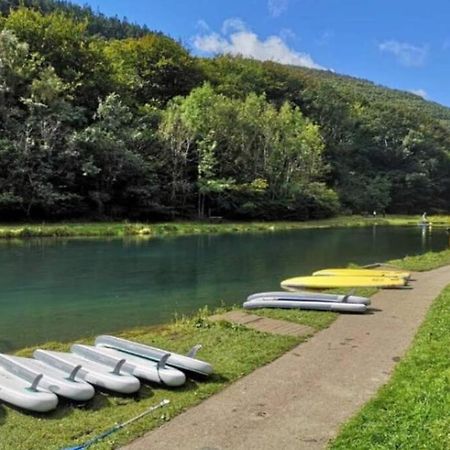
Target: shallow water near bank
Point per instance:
(64, 289)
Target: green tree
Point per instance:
(152, 69)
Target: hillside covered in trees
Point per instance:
(103, 118)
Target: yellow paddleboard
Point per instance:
(294, 284)
(364, 273)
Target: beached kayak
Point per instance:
(334, 282)
(363, 273)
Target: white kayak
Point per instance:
(309, 297)
(157, 372)
(183, 362)
(294, 304)
(53, 380)
(111, 378)
(26, 394)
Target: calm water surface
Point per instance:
(56, 289)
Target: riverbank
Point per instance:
(122, 229)
(233, 350)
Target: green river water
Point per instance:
(63, 289)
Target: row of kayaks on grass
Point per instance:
(113, 364)
(342, 278)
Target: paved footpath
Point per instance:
(300, 400)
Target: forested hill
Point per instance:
(97, 23)
(103, 118)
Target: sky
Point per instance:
(403, 44)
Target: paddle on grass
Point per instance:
(117, 427)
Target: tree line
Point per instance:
(128, 124)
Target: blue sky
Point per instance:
(403, 44)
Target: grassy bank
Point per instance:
(121, 229)
(412, 410)
(234, 351)
(427, 261)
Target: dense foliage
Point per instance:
(103, 118)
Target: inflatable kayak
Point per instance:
(363, 273)
(183, 362)
(53, 380)
(302, 296)
(293, 284)
(110, 378)
(26, 394)
(149, 370)
(318, 306)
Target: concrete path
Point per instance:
(265, 324)
(300, 400)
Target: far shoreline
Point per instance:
(122, 229)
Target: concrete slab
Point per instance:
(264, 324)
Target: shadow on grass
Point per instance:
(2, 415)
(57, 414)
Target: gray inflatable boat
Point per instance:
(183, 362)
(305, 296)
(271, 302)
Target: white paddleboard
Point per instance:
(26, 394)
(182, 362)
(156, 372)
(53, 380)
(110, 378)
(318, 306)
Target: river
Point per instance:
(64, 289)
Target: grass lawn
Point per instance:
(120, 229)
(413, 410)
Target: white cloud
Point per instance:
(233, 24)
(407, 54)
(237, 39)
(277, 7)
(286, 34)
(202, 25)
(420, 92)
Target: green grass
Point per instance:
(233, 350)
(427, 261)
(412, 410)
(121, 229)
